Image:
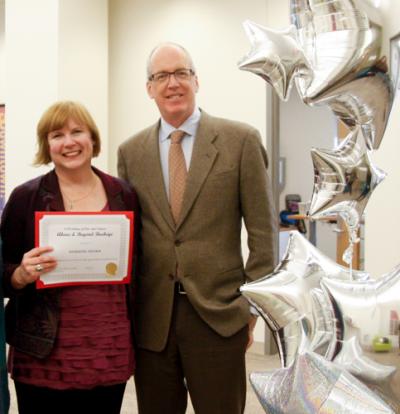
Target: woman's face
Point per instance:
(71, 147)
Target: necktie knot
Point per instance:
(177, 136)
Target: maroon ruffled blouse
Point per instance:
(94, 343)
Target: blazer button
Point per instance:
(178, 242)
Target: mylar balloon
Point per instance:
(349, 75)
(344, 179)
(314, 385)
(291, 301)
(368, 313)
(275, 56)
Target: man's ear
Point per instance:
(196, 80)
(149, 88)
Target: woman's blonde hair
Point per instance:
(55, 118)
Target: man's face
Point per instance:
(175, 98)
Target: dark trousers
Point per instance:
(196, 359)
(99, 400)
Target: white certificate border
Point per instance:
(124, 218)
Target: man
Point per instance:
(193, 326)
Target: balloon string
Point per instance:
(349, 252)
(351, 261)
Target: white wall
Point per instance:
(83, 61)
(55, 49)
(382, 234)
(303, 127)
(2, 53)
(278, 14)
(32, 80)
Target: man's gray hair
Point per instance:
(159, 46)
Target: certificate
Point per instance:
(90, 248)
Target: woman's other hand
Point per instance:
(34, 263)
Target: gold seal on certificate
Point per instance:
(111, 268)
(90, 248)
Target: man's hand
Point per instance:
(252, 324)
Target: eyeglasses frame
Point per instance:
(191, 72)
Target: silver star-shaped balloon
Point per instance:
(290, 298)
(336, 39)
(352, 358)
(334, 56)
(348, 73)
(344, 179)
(314, 385)
(364, 101)
(364, 312)
(275, 56)
(376, 376)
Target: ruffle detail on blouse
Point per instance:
(93, 346)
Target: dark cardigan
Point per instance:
(32, 315)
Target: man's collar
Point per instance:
(189, 126)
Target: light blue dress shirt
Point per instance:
(190, 128)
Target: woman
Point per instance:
(71, 347)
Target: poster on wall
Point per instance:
(2, 157)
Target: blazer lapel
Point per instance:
(203, 157)
(150, 168)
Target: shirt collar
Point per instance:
(189, 126)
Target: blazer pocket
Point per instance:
(234, 271)
(222, 174)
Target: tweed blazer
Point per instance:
(227, 182)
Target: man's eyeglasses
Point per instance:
(180, 75)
